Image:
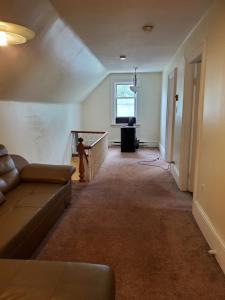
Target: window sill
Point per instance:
(121, 125)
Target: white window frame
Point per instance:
(114, 97)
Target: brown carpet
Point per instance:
(133, 218)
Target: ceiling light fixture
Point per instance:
(134, 87)
(13, 34)
(123, 57)
(148, 28)
(3, 39)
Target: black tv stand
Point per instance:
(128, 139)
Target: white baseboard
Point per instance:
(175, 173)
(162, 151)
(210, 233)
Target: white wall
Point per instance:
(209, 194)
(97, 108)
(193, 42)
(38, 131)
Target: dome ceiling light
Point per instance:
(123, 57)
(13, 34)
(148, 28)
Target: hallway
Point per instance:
(133, 218)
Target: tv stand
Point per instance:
(128, 139)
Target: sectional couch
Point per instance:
(32, 197)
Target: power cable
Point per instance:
(150, 163)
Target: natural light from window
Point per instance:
(125, 101)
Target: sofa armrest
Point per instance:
(46, 173)
(2, 198)
(19, 161)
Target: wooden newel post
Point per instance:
(81, 153)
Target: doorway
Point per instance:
(191, 121)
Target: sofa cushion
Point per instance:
(2, 198)
(47, 173)
(9, 175)
(25, 208)
(55, 280)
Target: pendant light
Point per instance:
(13, 34)
(134, 87)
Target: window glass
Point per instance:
(123, 90)
(125, 101)
(125, 107)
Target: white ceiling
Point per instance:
(114, 27)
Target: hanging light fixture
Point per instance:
(134, 87)
(13, 34)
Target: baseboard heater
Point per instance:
(140, 143)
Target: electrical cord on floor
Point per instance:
(150, 163)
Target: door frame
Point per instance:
(187, 116)
(170, 116)
(197, 65)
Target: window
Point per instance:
(124, 102)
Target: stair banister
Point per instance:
(82, 155)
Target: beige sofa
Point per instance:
(32, 197)
(38, 280)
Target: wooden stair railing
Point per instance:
(82, 154)
(91, 152)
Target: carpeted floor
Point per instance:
(133, 218)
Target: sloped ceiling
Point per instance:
(54, 67)
(78, 43)
(111, 28)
